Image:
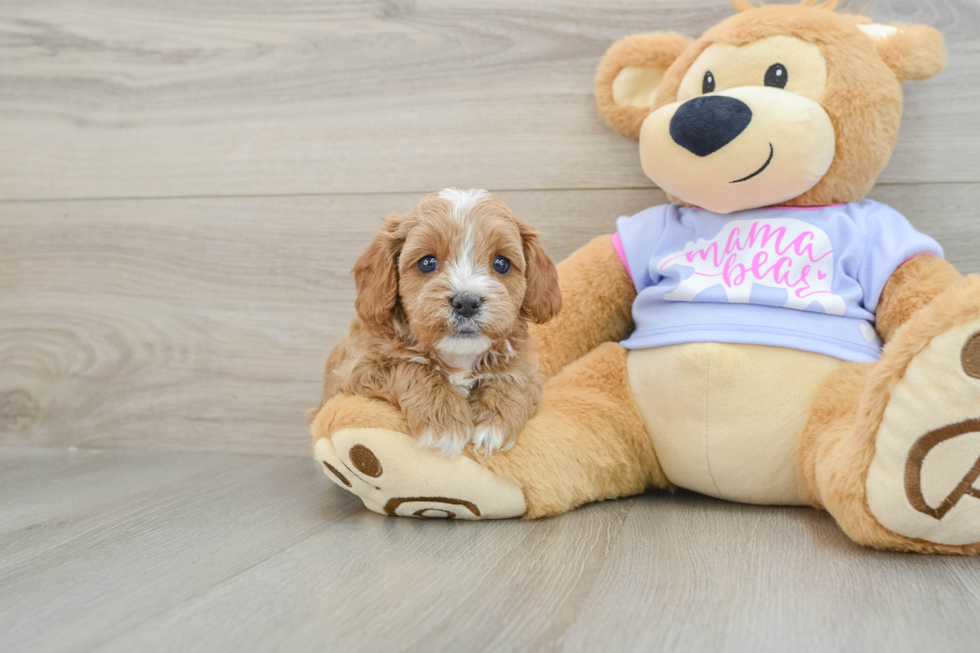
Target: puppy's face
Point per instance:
(466, 270)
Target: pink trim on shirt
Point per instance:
(618, 246)
(805, 208)
(789, 208)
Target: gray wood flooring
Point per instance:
(168, 551)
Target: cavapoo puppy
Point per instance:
(443, 297)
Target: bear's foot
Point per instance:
(924, 479)
(393, 476)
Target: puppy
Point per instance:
(444, 294)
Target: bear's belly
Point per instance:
(726, 419)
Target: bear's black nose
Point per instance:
(706, 124)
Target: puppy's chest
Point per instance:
(466, 380)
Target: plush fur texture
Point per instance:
(602, 311)
(588, 442)
(456, 378)
(863, 95)
(655, 51)
(910, 288)
(916, 52)
(343, 411)
(839, 442)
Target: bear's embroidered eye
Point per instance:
(428, 264)
(777, 76)
(708, 85)
(501, 265)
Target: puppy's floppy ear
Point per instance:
(376, 275)
(627, 80)
(913, 52)
(542, 297)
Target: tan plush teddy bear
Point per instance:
(770, 337)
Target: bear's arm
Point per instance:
(913, 285)
(597, 300)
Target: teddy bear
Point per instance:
(770, 337)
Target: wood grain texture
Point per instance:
(261, 553)
(103, 98)
(721, 577)
(205, 324)
(70, 579)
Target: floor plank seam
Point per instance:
(123, 517)
(156, 198)
(325, 525)
(561, 641)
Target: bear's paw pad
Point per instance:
(393, 476)
(924, 481)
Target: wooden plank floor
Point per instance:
(228, 552)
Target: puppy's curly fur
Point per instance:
(459, 374)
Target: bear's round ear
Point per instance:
(627, 80)
(912, 51)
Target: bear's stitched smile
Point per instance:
(759, 171)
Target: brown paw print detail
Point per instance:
(970, 358)
(917, 456)
(365, 461)
(333, 470)
(432, 511)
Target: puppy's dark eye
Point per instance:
(708, 85)
(777, 76)
(428, 264)
(501, 265)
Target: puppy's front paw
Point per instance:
(448, 443)
(493, 433)
(443, 422)
(489, 438)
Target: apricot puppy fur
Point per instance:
(444, 294)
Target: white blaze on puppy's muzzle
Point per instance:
(469, 282)
(465, 276)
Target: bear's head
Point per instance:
(778, 105)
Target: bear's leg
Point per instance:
(892, 449)
(587, 443)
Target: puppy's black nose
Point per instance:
(466, 304)
(706, 124)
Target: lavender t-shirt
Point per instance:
(805, 279)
